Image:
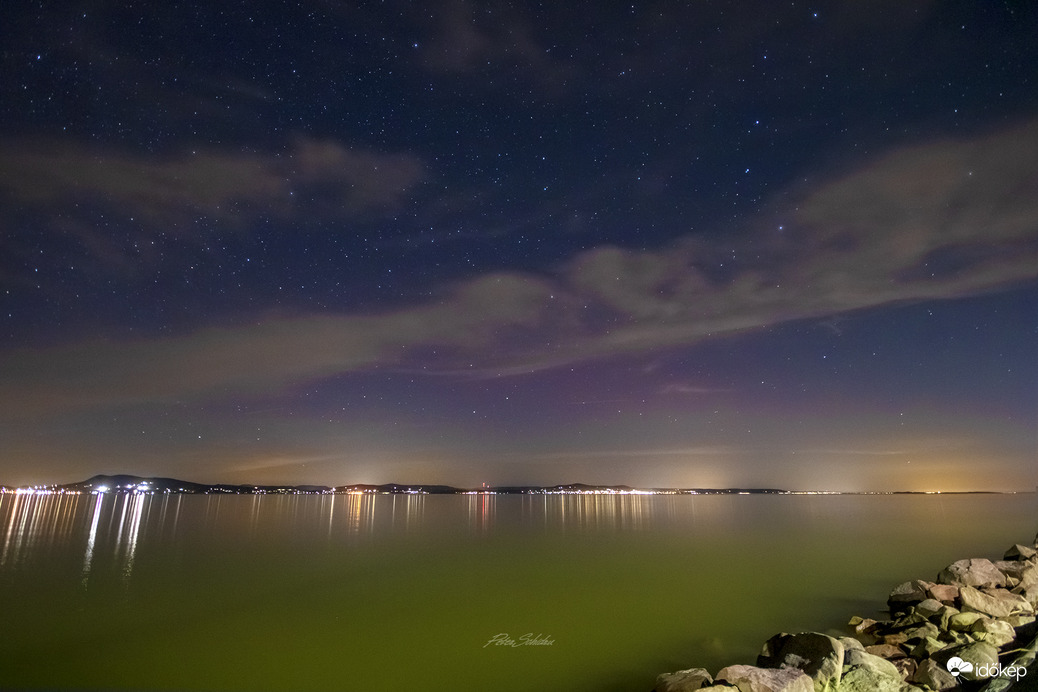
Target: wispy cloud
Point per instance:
(69, 187)
(948, 219)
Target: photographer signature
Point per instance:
(528, 639)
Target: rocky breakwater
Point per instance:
(941, 634)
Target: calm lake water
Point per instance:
(373, 593)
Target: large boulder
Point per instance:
(754, 679)
(997, 603)
(683, 680)
(818, 655)
(1021, 552)
(975, 572)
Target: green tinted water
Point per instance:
(374, 593)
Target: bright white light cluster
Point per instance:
(38, 490)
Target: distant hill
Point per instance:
(130, 483)
(126, 483)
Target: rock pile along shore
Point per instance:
(959, 631)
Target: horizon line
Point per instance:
(420, 488)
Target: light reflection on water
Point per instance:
(38, 521)
(92, 537)
(29, 519)
(114, 524)
(294, 589)
(482, 509)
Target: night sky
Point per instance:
(667, 243)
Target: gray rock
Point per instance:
(1029, 574)
(754, 679)
(928, 607)
(1021, 552)
(887, 651)
(928, 647)
(1029, 594)
(945, 593)
(921, 631)
(943, 617)
(977, 654)
(997, 603)
(909, 592)
(956, 638)
(974, 572)
(683, 680)
(893, 639)
(907, 666)
(860, 659)
(860, 625)
(850, 644)
(996, 632)
(818, 655)
(1019, 620)
(861, 679)
(909, 619)
(1023, 572)
(933, 675)
(961, 622)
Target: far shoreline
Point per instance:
(130, 483)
